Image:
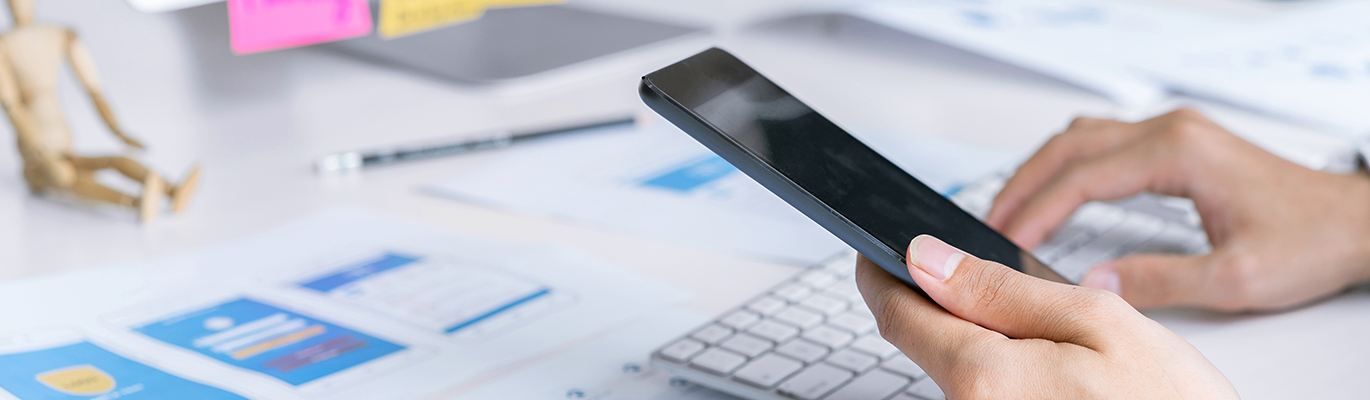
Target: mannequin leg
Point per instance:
(127, 167)
(154, 188)
(180, 195)
(154, 191)
(85, 186)
(35, 179)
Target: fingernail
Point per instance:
(1103, 278)
(934, 256)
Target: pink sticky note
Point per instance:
(263, 25)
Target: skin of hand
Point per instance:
(1001, 334)
(1282, 234)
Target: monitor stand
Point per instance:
(512, 43)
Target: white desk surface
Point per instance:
(257, 122)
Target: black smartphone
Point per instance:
(833, 178)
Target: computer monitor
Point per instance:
(156, 6)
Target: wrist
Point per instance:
(1359, 202)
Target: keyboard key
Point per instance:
(1173, 239)
(740, 319)
(1090, 221)
(829, 336)
(768, 370)
(1131, 231)
(1066, 240)
(860, 308)
(1201, 246)
(853, 360)
(1184, 207)
(817, 279)
(825, 304)
(718, 361)
(1097, 216)
(903, 366)
(682, 350)
(712, 334)
(905, 396)
(767, 306)
(926, 390)
(803, 350)
(774, 331)
(792, 292)
(748, 345)
(799, 317)
(844, 290)
(876, 346)
(843, 268)
(814, 382)
(853, 322)
(874, 385)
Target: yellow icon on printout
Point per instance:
(80, 380)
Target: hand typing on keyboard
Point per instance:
(1281, 234)
(1000, 334)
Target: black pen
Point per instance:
(355, 160)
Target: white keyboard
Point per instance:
(1100, 232)
(813, 338)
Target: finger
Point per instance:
(1147, 281)
(1084, 138)
(1109, 176)
(929, 335)
(1008, 301)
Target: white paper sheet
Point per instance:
(1095, 44)
(653, 181)
(293, 312)
(656, 181)
(1312, 66)
(611, 367)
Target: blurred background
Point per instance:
(987, 78)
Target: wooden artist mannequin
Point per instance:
(30, 59)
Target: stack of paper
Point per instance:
(1312, 67)
(341, 305)
(1094, 44)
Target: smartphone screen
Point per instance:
(832, 166)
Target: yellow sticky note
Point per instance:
(407, 17)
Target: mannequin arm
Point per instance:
(84, 68)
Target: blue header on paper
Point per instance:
(358, 272)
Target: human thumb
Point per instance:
(1004, 300)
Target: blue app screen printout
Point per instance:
(263, 338)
